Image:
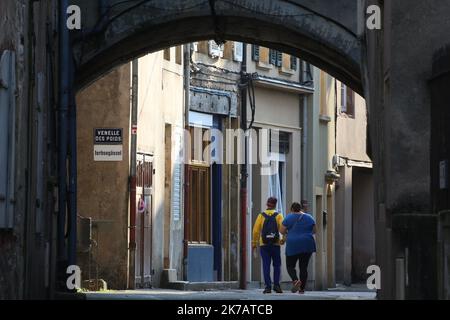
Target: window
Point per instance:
(277, 185)
(167, 54)
(198, 206)
(275, 57)
(293, 63)
(347, 100)
(179, 55)
(255, 52)
(281, 138)
(238, 51)
(215, 50)
(306, 70)
(261, 55)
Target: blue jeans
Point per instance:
(271, 253)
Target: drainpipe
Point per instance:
(304, 121)
(187, 85)
(244, 174)
(133, 150)
(72, 201)
(64, 91)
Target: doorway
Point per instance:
(144, 221)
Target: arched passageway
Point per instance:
(320, 32)
(315, 31)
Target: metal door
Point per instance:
(144, 195)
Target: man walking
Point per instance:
(266, 233)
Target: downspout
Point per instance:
(133, 150)
(64, 92)
(304, 121)
(244, 174)
(187, 85)
(72, 201)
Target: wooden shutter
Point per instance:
(279, 59)
(350, 102)
(293, 63)
(7, 138)
(228, 50)
(273, 57)
(167, 54)
(255, 53)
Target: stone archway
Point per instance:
(320, 32)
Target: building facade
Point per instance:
(355, 225)
(106, 247)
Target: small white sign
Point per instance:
(108, 152)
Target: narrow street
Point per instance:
(357, 293)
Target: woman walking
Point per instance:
(300, 244)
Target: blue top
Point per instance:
(300, 235)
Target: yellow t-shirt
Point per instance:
(259, 223)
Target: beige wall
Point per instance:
(160, 102)
(280, 110)
(271, 71)
(103, 186)
(352, 132)
(277, 107)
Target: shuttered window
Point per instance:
(347, 100)
(273, 57)
(293, 63)
(167, 54)
(255, 53)
(7, 138)
(279, 62)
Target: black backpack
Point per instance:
(270, 233)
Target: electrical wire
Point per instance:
(215, 81)
(214, 75)
(218, 68)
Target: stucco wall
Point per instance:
(160, 102)
(351, 136)
(363, 238)
(103, 186)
